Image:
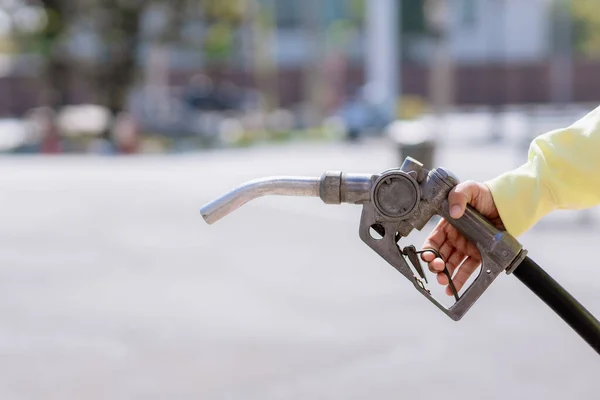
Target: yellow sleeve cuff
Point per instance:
(562, 172)
(521, 198)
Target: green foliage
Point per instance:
(357, 9)
(412, 18)
(231, 11)
(218, 41)
(339, 33)
(586, 26)
(411, 15)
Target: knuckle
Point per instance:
(442, 279)
(465, 189)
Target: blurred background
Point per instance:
(171, 76)
(120, 118)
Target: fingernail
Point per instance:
(455, 211)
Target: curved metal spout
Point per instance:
(284, 186)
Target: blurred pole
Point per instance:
(499, 57)
(561, 69)
(157, 79)
(441, 80)
(383, 66)
(314, 75)
(262, 22)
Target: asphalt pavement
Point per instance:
(113, 287)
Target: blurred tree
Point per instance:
(412, 21)
(107, 41)
(35, 28)
(226, 21)
(223, 18)
(46, 42)
(411, 15)
(119, 22)
(114, 24)
(586, 25)
(113, 31)
(262, 23)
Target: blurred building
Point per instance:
(481, 31)
(502, 51)
(500, 31)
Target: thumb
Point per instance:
(460, 196)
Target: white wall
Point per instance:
(503, 30)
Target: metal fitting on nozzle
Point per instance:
(337, 187)
(331, 187)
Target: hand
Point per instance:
(462, 257)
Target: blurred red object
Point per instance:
(126, 134)
(51, 141)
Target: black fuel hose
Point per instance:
(559, 300)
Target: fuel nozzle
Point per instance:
(394, 203)
(400, 200)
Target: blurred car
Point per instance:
(362, 115)
(18, 136)
(192, 115)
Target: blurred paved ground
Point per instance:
(112, 287)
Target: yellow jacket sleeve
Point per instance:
(562, 172)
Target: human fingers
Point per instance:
(455, 259)
(464, 273)
(446, 249)
(438, 264)
(434, 241)
(461, 195)
(442, 278)
(454, 262)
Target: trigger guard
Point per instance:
(388, 249)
